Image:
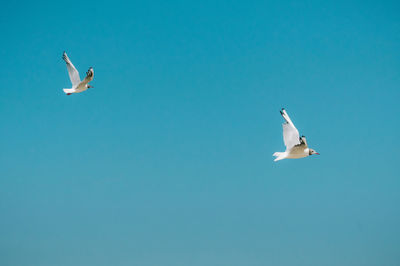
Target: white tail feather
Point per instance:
(69, 91)
(279, 156)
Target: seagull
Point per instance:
(77, 84)
(296, 147)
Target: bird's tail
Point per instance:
(279, 156)
(68, 91)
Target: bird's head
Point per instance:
(311, 152)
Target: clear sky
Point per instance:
(168, 160)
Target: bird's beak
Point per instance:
(317, 153)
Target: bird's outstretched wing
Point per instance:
(89, 75)
(73, 73)
(303, 141)
(290, 132)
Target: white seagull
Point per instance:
(77, 84)
(296, 147)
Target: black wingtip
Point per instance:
(281, 111)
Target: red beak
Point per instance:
(317, 153)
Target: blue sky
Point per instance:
(168, 160)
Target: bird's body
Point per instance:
(296, 147)
(80, 88)
(77, 84)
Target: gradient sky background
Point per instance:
(168, 160)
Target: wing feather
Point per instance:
(89, 75)
(290, 132)
(73, 73)
(303, 140)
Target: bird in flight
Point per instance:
(77, 84)
(296, 147)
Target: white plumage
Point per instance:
(77, 84)
(296, 147)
